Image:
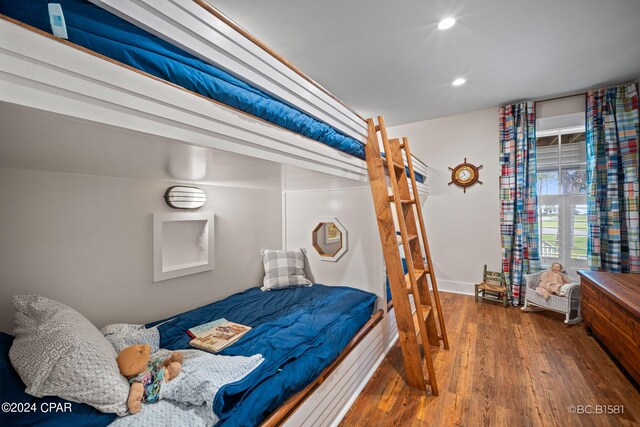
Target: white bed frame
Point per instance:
(40, 71)
(196, 30)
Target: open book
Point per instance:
(216, 335)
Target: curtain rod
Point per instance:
(582, 92)
(555, 98)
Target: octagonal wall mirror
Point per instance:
(329, 239)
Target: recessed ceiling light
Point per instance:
(446, 23)
(459, 82)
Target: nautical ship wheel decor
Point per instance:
(465, 175)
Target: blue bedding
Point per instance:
(419, 177)
(12, 391)
(299, 331)
(388, 287)
(105, 33)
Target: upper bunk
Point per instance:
(236, 95)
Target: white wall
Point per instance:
(463, 229)
(87, 242)
(361, 266)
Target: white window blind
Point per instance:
(548, 157)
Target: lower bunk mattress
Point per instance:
(299, 332)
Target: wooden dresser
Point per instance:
(611, 312)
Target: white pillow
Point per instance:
(123, 335)
(283, 269)
(58, 352)
(565, 288)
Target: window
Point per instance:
(562, 196)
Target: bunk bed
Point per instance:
(107, 36)
(247, 111)
(298, 332)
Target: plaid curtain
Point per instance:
(612, 179)
(519, 211)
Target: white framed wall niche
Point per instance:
(329, 239)
(182, 244)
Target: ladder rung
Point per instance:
(407, 281)
(377, 128)
(403, 201)
(401, 146)
(407, 278)
(397, 166)
(426, 312)
(411, 237)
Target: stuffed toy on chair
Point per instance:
(552, 281)
(145, 376)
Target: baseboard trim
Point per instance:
(464, 288)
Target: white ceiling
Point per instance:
(35, 139)
(384, 57)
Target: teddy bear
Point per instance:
(146, 376)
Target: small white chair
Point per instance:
(565, 304)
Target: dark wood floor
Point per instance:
(504, 368)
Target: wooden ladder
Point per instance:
(414, 282)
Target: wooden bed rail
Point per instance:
(280, 415)
(224, 18)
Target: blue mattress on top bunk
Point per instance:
(105, 33)
(299, 331)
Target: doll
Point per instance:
(146, 376)
(551, 281)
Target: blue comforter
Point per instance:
(299, 331)
(388, 286)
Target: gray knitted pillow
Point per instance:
(58, 352)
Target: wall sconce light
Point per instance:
(182, 197)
